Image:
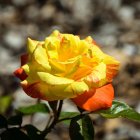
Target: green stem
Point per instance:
(52, 125)
(49, 121)
(59, 108)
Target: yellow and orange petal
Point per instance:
(33, 90)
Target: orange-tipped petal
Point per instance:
(112, 67)
(33, 90)
(24, 59)
(96, 100)
(20, 73)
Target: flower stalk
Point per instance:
(56, 115)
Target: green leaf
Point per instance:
(87, 128)
(65, 116)
(120, 109)
(40, 107)
(14, 134)
(5, 102)
(81, 128)
(3, 122)
(15, 120)
(75, 129)
(32, 132)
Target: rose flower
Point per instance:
(65, 66)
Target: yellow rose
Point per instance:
(65, 66)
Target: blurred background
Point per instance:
(114, 24)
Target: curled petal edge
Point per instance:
(20, 73)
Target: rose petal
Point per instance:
(52, 45)
(53, 80)
(24, 59)
(52, 92)
(100, 99)
(31, 45)
(20, 73)
(98, 76)
(112, 67)
(40, 56)
(71, 89)
(33, 90)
